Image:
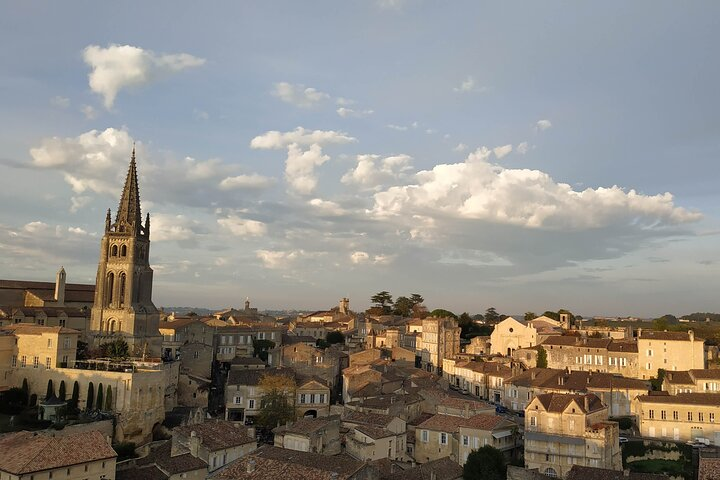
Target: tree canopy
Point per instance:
(277, 406)
(486, 463)
(335, 337)
(530, 316)
(542, 358)
(442, 313)
(491, 315)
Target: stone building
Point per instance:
(316, 435)
(682, 417)
(481, 379)
(692, 381)
(671, 351)
(76, 456)
(325, 363)
(593, 354)
(123, 288)
(614, 391)
(440, 339)
(562, 430)
(455, 437)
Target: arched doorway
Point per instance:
(310, 414)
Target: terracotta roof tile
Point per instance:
(217, 435)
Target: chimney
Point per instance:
(251, 465)
(639, 331)
(60, 286)
(587, 403)
(691, 335)
(194, 444)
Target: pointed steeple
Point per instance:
(128, 217)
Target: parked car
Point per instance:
(623, 440)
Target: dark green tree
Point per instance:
(486, 463)
(50, 393)
(13, 401)
(108, 399)
(75, 398)
(277, 406)
(261, 347)
(416, 299)
(554, 315)
(61, 390)
(403, 306)
(466, 324)
(530, 316)
(442, 313)
(90, 397)
(542, 358)
(382, 300)
(82, 351)
(656, 382)
(491, 315)
(116, 349)
(100, 397)
(335, 337)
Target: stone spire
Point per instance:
(128, 217)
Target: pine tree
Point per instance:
(61, 390)
(50, 390)
(90, 397)
(100, 395)
(109, 399)
(75, 399)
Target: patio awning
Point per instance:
(503, 434)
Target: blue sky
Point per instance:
(530, 156)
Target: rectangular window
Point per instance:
(23, 361)
(712, 417)
(443, 438)
(663, 414)
(66, 342)
(466, 440)
(251, 403)
(649, 353)
(701, 417)
(48, 362)
(302, 398)
(62, 322)
(36, 362)
(425, 436)
(222, 340)
(312, 398)
(49, 342)
(14, 360)
(651, 414)
(533, 421)
(322, 398)
(690, 416)
(238, 400)
(676, 415)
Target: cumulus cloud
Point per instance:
(349, 112)
(298, 94)
(467, 85)
(79, 202)
(543, 124)
(300, 136)
(359, 257)
(460, 147)
(502, 151)
(277, 259)
(372, 171)
(327, 207)
(253, 181)
(523, 148)
(300, 167)
(119, 67)
(241, 227)
(479, 190)
(166, 227)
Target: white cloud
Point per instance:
(543, 124)
(460, 147)
(277, 259)
(326, 207)
(344, 101)
(399, 128)
(118, 67)
(253, 181)
(201, 115)
(502, 151)
(349, 112)
(479, 190)
(90, 162)
(359, 257)
(241, 227)
(467, 85)
(89, 112)
(523, 148)
(300, 136)
(77, 231)
(298, 94)
(165, 227)
(300, 168)
(79, 202)
(373, 172)
(36, 227)
(60, 102)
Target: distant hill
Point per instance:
(185, 310)
(701, 317)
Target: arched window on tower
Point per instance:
(122, 288)
(111, 328)
(123, 251)
(109, 288)
(113, 251)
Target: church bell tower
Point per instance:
(123, 304)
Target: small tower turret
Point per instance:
(60, 286)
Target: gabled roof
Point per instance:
(667, 336)
(709, 399)
(218, 434)
(558, 402)
(451, 423)
(34, 329)
(28, 452)
(441, 469)
(375, 419)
